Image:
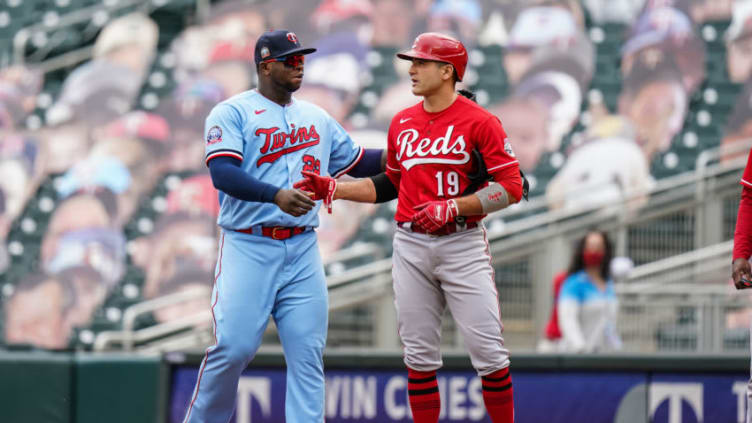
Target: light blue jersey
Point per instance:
(275, 143)
(579, 288)
(587, 315)
(257, 276)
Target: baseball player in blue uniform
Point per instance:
(257, 144)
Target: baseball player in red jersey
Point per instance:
(740, 268)
(441, 256)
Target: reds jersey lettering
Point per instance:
(441, 150)
(429, 154)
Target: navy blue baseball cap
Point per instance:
(278, 44)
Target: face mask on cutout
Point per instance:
(592, 258)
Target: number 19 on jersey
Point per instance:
(452, 183)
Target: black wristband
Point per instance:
(385, 190)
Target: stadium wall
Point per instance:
(86, 388)
(44, 387)
(548, 389)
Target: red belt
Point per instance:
(279, 233)
(447, 229)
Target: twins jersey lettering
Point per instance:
(275, 144)
(429, 154)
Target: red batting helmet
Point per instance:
(440, 48)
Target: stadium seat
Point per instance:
(382, 68)
(492, 78)
(676, 337)
(736, 339)
(667, 236)
(610, 90)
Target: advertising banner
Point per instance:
(553, 397)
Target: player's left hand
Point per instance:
(322, 187)
(432, 215)
(740, 272)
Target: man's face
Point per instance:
(526, 126)
(392, 22)
(326, 99)
(743, 134)
(287, 72)
(75, 214)
(652, 111)
(185, 155)
(516, 63)
(89, 296)
(235, 77)
(180, 243)
(64, 146)
(246, 24)
(35, 317)
(133, 56)
(711, 10)
(14, 180)
(427, 76)
(740, 60)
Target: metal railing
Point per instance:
(528, 251)
(193, 330)
(160, 334)
(685, 304)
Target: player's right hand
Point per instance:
(741, 273)
(294, 201)
(432, 215)
(322, 187)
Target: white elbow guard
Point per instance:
(493, 197)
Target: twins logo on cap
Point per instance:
(292, 37)
(214, 135)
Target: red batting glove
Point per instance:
(432, 215)
(322, 187)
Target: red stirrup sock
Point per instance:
(498, 396)
(425, 401)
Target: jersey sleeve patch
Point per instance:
(508, 147)
(214, 135)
